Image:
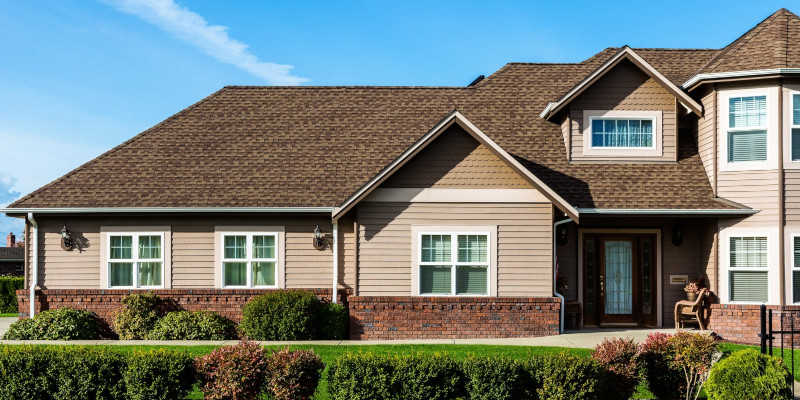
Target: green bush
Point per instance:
(494, 378)
(8, 293)
(362, 376)
(28, 372)
(158, 375)
(748, 375)
(59, 324)
(293, 375)
(429, 377)
(333, 321)
(567, 377)
(281, 315)
(137, 316)
(89, 373)
(193, 325)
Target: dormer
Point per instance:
(625, 110)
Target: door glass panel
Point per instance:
(646, 276)
(619, 277)
(590, 271)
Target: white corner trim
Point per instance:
(444, 195)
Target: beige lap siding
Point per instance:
(524, 262)
(193, 249)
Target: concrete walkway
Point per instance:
(588, 339)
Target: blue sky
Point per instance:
(78, 77)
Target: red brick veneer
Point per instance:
(740, 323)
(103, 302)
(377, 317)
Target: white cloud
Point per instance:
(7, 196)
(213, 40)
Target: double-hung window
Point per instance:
(135, 260)
(249, 259)
(634, 133)
(748, 269)
(747, 129)
(796, 269)
(454, 263)
(795, 123)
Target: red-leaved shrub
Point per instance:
(293, 375)
(237, 372)
(620, 357)
(663, 378)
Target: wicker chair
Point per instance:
(691, 311)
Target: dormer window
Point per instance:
(747, 129)
(622, 133)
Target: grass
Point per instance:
(3, 315)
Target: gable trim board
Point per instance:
(455, 117)
(625, 54)
(655, 211)
(694, 81)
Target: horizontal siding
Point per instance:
(792, 196)
(524, 251)
(705, 134)
(625, 87)
(755, 189)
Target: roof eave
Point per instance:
(698, 79)
(665, 211)
(106, 210)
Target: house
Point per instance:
(12, 258)
(445, 211)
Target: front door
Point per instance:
(619, 279)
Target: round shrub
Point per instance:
(137, 316)
(234, 372)
(334, 321)
(662, 376)
(749, 375)
(293, 375)
(158, 375)
(193, 325)
(564, 376)
(620, 358)
(280, 315)
(59, 324)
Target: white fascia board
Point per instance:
(106, 210)
(666, 211)
(738, 74)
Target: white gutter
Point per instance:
(555, 263)
(335, 245)
(35, 265)
(546, 111)
(738, 74)
(94, 210)
(667, 211)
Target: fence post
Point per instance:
(763, 334)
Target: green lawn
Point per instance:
(3, 315)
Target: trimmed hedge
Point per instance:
(8, 293)
(193, 325)
(293, 315)
(59, 324)
(84, 373)
(362, 376)
(749, 375)
(495, 378)
(566, 377)
(333, 321)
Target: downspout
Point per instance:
(555, 264)
(335, 245)
(35, 265)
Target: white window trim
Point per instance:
(790, 125)
(249, 259)
(727, 269)
(134, 260)
(249, 231)
(792, 269)
(724, 128)
(454, 263)
(658, 133)
(166, 252)
(416, 239)
(605, 118)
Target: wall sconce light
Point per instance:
(66, 238)
(319, 240)
(677, 235)
(561, 235)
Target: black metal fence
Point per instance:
(786, 333)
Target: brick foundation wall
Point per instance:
(104, 302)
(740, 323)
(452, 317)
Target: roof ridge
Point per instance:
(729, 48)
(116, 148)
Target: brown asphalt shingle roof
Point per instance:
(315, 146)
(12, 253)
(773, 43)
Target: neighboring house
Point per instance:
(12, 258)
(444, 210)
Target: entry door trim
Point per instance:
(659, 257)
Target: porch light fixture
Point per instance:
(677, 235)
(66, 238)
(561, 235)
(319, 240)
